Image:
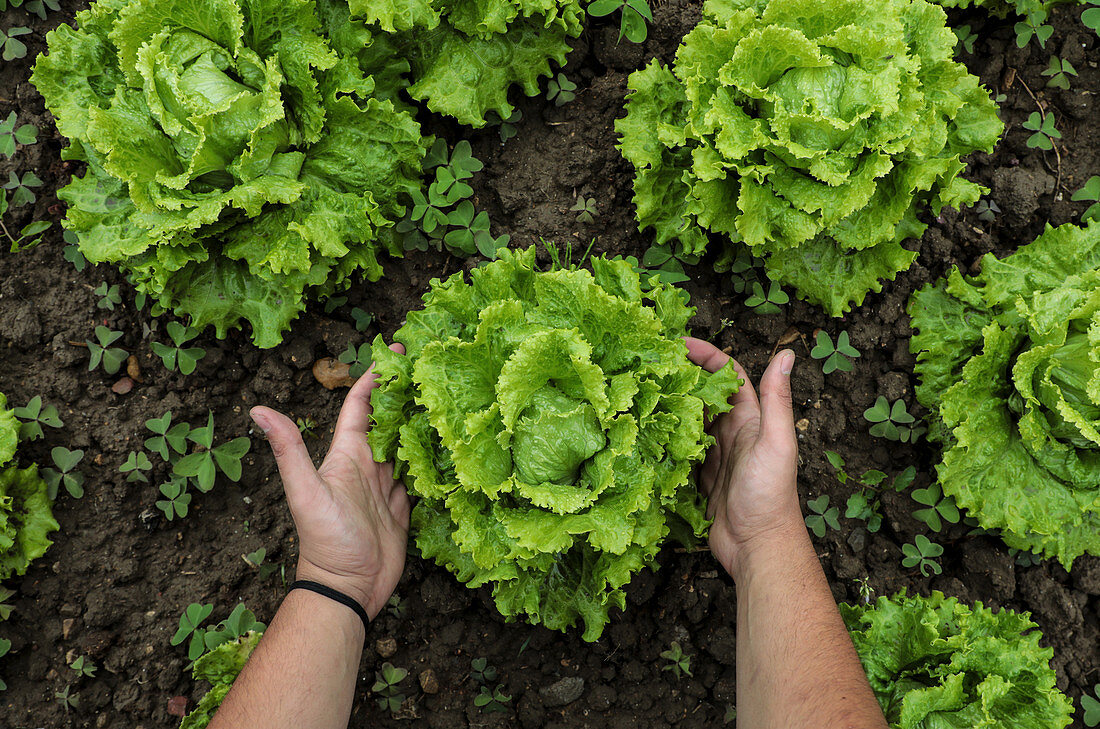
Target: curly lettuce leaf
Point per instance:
(934, 662)
(549, 423)
(1009, 363)
(813, 135)
(26, 520)
(9, 431)
(220, 667)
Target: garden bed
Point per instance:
(118, 575)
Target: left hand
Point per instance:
(352, 517)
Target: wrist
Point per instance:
(357, 588)
(319, 610)
(780, 541)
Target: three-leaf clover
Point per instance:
(136, 464)
(1090, 706)
(362, 319)
(176, 355)
(5, 608)
(767, 303)
(838, 357)
(34, 415)
(891, 421)
(20, 187)
(11, 135)
(168, 441)
(467, 226)
(193, 617)
(176, 499)
(966, 37)
(633, 18)
(924, 554)
(202, 466)
(482, 672)
(103, 353)
(109, 296)
(1059, 71)
(823, 515)
(385, 684)
(73, 481)
(940, 508)
(1090, 192)
(1045, 133)
(83, 666)
(561, 90)
(10, 47)
(1091, 17)
(359, 359)
(678, 661)
(1034, 26)
(586, 209)
(240, 621)
(490, 701)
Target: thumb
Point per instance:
(776, 410)
(290, 451)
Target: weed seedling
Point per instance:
(176, 499)
(256, 561)
(386, 684)
(634, 15)
(678, 661)
(904, 479)
(661, 262)
(1091, 17)
(395, 606)
(837, 357)
(585, 208)
(11, 135)
(176, 355)
(507, 126)
(837, 462)
(1090, 192)
(492, 701)
(136, 464)
(168, 441)
(1059, 71)
(966, 38)
(561, 90)
(863, 505)
(10, 47)
(922, 554)
(240, 621)
(770, 302)
(482, 672)
(203, 465)
(34, 415)
(71, 252)
(823, 516)
(362, 319)
(1045, 133)
(1034, 26)
(359, 359)
(892, 421)
(306, 426)
(67, 699)
(1025, 558)
(987, 211)
(20, 187)
(6, 609)
(83, 666)
(103, 353)
(64, 475)
(1090, 705)
(466, 227)
(109, 297)
(866, 592)
(190, 629)
(28, 237)
(940, 508)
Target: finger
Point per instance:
(777, 411)
(356, 410)
(745, 397)
(705, 354)
(291, 454)
(400, 505)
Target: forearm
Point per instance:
(302, 674)
(796, 666)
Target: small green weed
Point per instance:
(1090, 707)
(561, 90)
(1045, 133)
(168, 441)
(135, 466)
(939, 509)
(176, 355)
(838, 356)
(11, 135)
(33, 416)
(176, 500)
(6, 609)
(386, 685)
(823, 516)
(190, 629)
(358, 357)
(923, 554)
(203, 465)
(109, 297)
(966, 37)
(1059, 71)
(1033, 26)
(633, 18)
(361, 318)
(492, 701)
(11, 47)
(29, 236)
(102, 353)
(892, 422)
(586, 210)
(83, 666)
(67, 699)
(64, 475)
(1089, 192)
(21, 187)
(767, 303)
(678, 661)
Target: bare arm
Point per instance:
(352, 520)
(796, 666)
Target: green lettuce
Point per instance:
(25, 520)
(935, 663)
(1009, 366)
(220, 667)
(236, 163)
(465, 55)
(813, 132)
(548, 423)
(9, 431)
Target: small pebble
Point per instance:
(429, 684)
(385, 647)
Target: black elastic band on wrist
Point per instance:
(332, 594)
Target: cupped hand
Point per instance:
(352, 517)
(749, 474)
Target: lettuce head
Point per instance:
(813, 131)
(1009, 366)
(935, 663)
(235, 162)
(26, 519)
(548, 423)
(465, 55)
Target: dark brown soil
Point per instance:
(114, 583)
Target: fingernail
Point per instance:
(260, 420)
(787, 363)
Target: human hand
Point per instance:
(352, 517)
(750, 472)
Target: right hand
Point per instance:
(749, 474)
